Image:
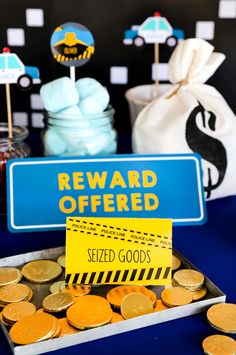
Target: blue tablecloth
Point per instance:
(210, 247)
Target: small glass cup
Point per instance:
(79, 134)
(10, 148)
(140, 96)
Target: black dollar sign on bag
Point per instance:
(211, 149)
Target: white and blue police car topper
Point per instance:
(13, 71)
(155, 29)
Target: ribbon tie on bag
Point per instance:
(185, 81)
(179, 83)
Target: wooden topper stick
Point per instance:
(72, 74)
(9, 114)
(156, 61)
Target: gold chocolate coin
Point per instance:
(189, 278)
(33, 328)
(30, 296)
(2, 320)
(76, 290)
(116, 294)
(176, 296)
(116, 317)
(198, 294)
(58, 302)
(56, 286)
(222, 316)
(159, 306)
(66, 328)
(17, 310)
(135, 304)
(14, 293)
(61, 260)
(41, 271)
(41, 310)
(176, 262)
(9, 275)
(219, 345)
(56, 332)
(173, 284)
(89, 311)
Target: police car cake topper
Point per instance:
(155, 30)
(13, 71)
(72, 45)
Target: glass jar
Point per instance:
(79, 134)
(10, 148)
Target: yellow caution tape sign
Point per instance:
(118, 251)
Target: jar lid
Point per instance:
(19, 133)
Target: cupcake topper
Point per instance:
(13, 71)
(155, 29)
(72, 45)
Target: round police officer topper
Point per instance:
(72, 44)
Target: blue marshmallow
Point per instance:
(59, 94)
(53, 143)
(84, 86)
(94, 97)
(90, 106)
(71, 112)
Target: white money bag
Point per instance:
(192, 117)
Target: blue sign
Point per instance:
(42, 192)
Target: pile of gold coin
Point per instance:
(69, 309)
(133, 301)
(15, 293)
(9, 275)
(89, 311)
(117, 294)
(19, 315)
(192, 281)
(14, 312)
(35, 328)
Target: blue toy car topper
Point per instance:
(155, 29)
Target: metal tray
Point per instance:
(214, 295)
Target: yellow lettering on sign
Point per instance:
(82, 202)
(122, 200)
(96, 180)
(78, 178)
(63, 181)
(149, 178)
(133, 177)
(136, 202)
(151, 202)
(95, 201)
(109, 203)
(72, 204)
(117, 180)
